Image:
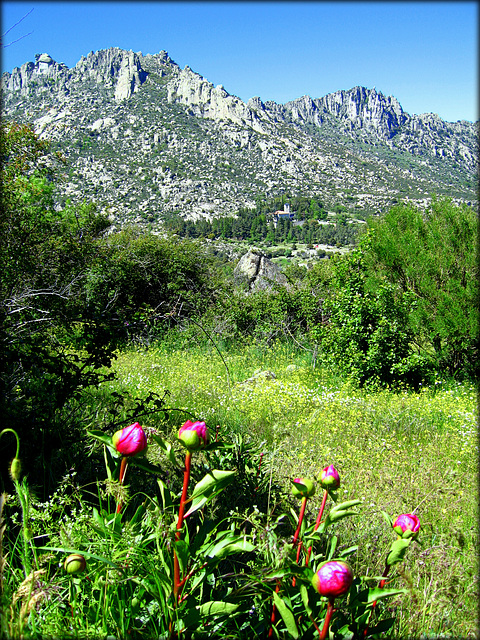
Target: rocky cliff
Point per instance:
(145, 138)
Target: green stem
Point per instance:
(317, 524)
(16, 436)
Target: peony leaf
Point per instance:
(102, 437)
(398, 550)
(208, 487)
(216, 608)
(345, 505)
(166, 448)
(376, 593)
(287, 615)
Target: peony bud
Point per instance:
(303, 488)
(130, 441)
(407, 525)
(75, 563)
(333, 579)
(193, 435)
(15, 469)
(329, 478)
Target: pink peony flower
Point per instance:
(303, 488)
(329, 478)
(130, 441)
(193, 435)
(333, 579)
(407, 525)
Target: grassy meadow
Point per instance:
(395, 451)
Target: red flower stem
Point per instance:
(188, 576)
(123, 469)
(314, 623)
(274, 611)
(326, 624)
(317, 524)
(178, 534)
(297, 532)
(183, 499)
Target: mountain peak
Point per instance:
(146, 138)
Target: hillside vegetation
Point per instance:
(367, 361)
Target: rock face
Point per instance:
(258, 272)
(147, 139)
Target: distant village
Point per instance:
(286, 214)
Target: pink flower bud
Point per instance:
(130, 441)
(75, 563)
(329, 478)
(407, 525)
(193, 435)
(303, 488)
(333, 579)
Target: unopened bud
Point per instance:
(329, 478)
(15, 469)
(303, 488)
(75, 563)
(333, 579)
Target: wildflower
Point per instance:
(303, 488)
(193, 435)
(75, 563)
(407, 525)
(329, 478)
(333, 579)
(130, 441)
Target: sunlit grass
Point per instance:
(395, 451)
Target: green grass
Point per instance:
(395, 451)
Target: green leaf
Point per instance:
(382, 626)
(87, 555)
(333, 546)
(345, 505)
(216, 608)
(398, 550)
(304, 595)
(227, 547)
(166, 448)
(338, 515)
(376, 593)
(102, 437)
(347, 552)
(138, 515)
(182, 550)
(165, 493)
(287, 615)
(387, 518)
(208, 487)
(145, 465)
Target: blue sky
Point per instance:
(423, 53)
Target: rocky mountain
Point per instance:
(144, 138)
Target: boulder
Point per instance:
(257, 272)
